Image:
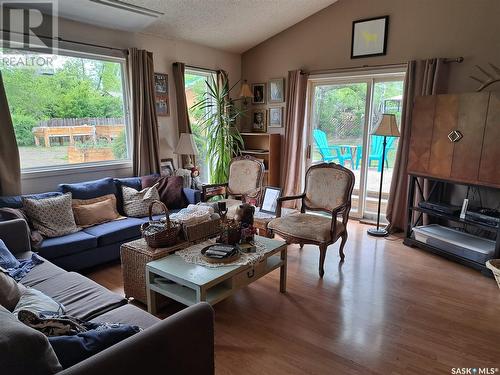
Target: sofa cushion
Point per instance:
(52, 217)
(38, 302)
(132, 182)
(94, 211)
(90, 189)
(16, 201)
(81, 297)
(116, 231)
(10, 291)
(24, 350)
(307, 226)
(41, 273)
(70, 244)
(128, 314)
(136, 203)
(7, 213)
(192, 196)
(171, 191)
(149, 180)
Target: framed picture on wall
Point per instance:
(259, 93)
(369, 37)
(162, 95)
(259, 118)
(162, 105)
(277, 90)
(275, 117)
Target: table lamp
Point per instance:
(387, 127)
(187, 146)
(245, 92)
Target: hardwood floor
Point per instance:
(389, 309)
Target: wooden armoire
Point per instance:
(455, 140)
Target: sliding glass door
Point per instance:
(342, 113)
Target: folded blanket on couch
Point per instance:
(16, 268)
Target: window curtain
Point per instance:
(10, 167)
(423, 77)
(294, 132)
(146, 147)
(183, 123)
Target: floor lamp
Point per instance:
(387, 127)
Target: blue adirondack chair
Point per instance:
(330, 153)
(376, 151)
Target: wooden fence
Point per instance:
(81, 128)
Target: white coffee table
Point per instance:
(190, 283)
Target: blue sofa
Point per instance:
(100, 243)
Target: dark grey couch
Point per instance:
(180, 344)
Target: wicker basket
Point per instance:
(134, 257)
(158, 233)
(494, 266)
(202, 231)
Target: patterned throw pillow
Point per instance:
(136, 203)
(52, 217)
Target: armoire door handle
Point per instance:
(455, 136)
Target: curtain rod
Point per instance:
(201, 68)
(59, 39)
(446, 61)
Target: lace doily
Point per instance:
(193, 255)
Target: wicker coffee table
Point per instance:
(190, 283)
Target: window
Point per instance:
(67, 109)
(344, 110)
(196, 90)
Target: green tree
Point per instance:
(120, 146)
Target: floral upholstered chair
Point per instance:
(244, 182)
(328, 189)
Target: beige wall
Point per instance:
(165, 52)
(417, 29)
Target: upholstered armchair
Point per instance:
(245, 180)
(328, 189)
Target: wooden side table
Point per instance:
(134, 257)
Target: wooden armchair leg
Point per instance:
(342, 244)
(322, 256)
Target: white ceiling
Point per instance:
(231, 25)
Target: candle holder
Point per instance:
(222, 206)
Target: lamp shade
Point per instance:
(387, 126)
(245, 91)
(186, 145)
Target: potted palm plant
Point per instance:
(224, 141)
